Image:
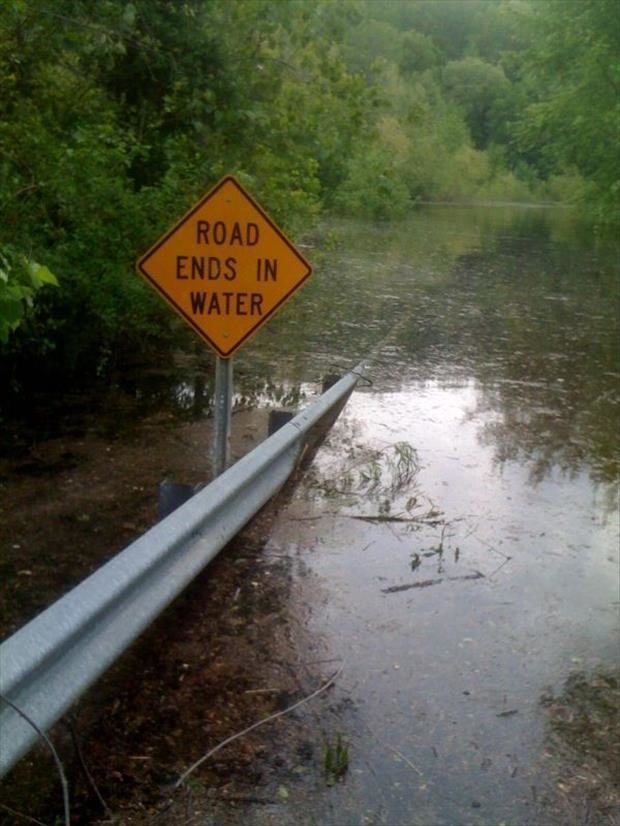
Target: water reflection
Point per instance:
(510, 298)
(514, 299)
(455, 592)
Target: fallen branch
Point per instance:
(380, 517)
(426, 583)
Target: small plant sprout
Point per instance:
(336, 760)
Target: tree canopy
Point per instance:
(115, 116)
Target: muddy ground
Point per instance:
(224, 655)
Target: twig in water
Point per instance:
(426, 583)
(50, 745)
(499, 567)
(493, 548)
(380, 517)
(247, 730)
(393, 749)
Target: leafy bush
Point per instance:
(20, 279)
(373, 188)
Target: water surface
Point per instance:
(459, 531)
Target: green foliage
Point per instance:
(373, 188)
(572, 73)
(20, 279)
(336, 760)
(371, 41)
(476, 86)
(418, 53)
(116, 116)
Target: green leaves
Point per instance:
(20, 279)
(573, 119)
(40, 275)
(116, 116)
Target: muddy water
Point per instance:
(453, 548)
(458, 534)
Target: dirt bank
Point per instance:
(219, 659)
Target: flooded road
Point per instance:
(460, 528)
(457, 616)
(451, 552)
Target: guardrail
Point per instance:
(46, 665)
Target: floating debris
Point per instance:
(394, 589)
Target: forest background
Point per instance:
(116, 116)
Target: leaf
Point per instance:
(40, 275)
(129, 14)
(10, 312)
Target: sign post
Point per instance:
(223, 413)
(226, 268)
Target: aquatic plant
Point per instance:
(335, 760)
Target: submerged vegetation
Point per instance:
(116, 116)
(335, 760)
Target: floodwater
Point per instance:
(452, 551)
(458, 533)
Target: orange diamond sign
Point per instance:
(225, 267)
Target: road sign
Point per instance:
(225, 267)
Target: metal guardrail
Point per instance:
(46, 665)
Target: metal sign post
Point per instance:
(222, 414)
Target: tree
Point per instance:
(116, 116)
(418, 53)
(572, 73)
(476, 86)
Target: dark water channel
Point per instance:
(455, 542)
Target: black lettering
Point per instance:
(219, 232)
(202, 230)
(241, 297)
(266, 269)
(214, 305)
(198, 302)
(271, 269)
(251, 234)
(198, 267)
(231, 272)
(256, 305)
(227, 296)
(235, 236)
(181, 262)
(214, 268)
